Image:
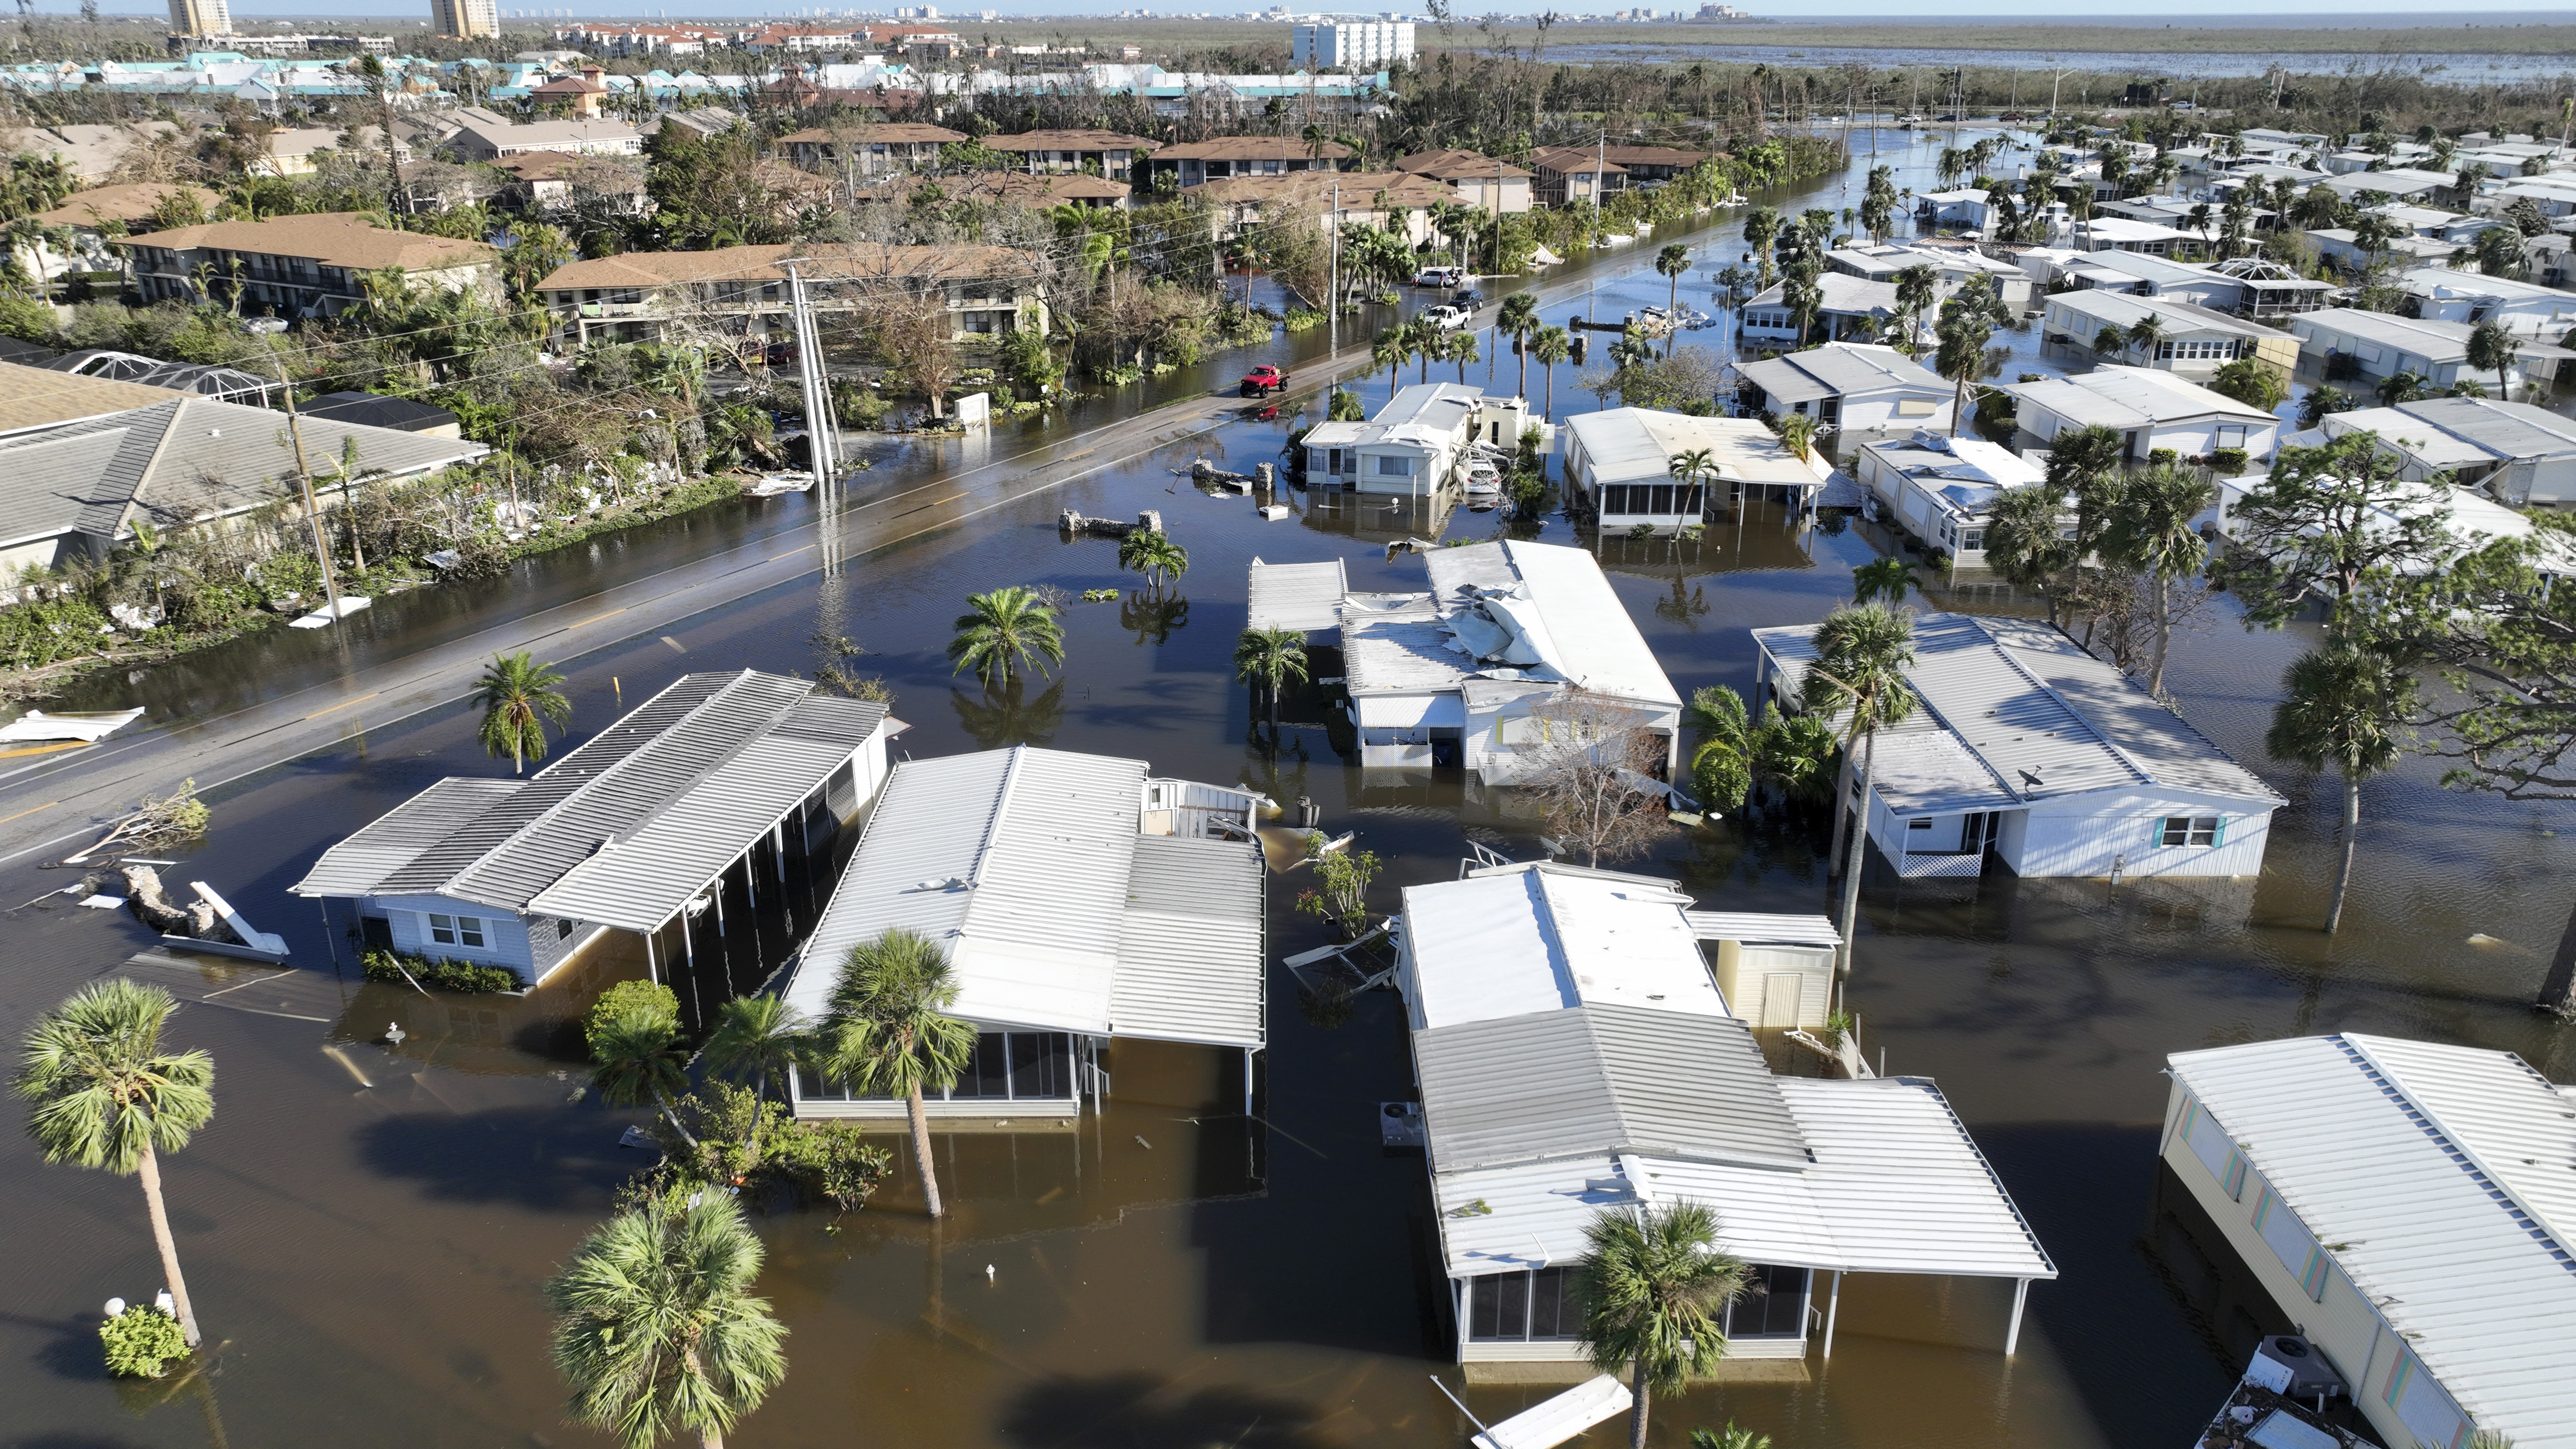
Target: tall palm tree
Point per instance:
(1551, 346)
(2491, 348)
(1006, 626)
(1422, 338)
(1459, 347)
(519, 700)
(757, 1037)
(1389, 349)
(2343, 704)
(1762, 234)
(1805, 294)
(1968, 322)
(1917, 288)
(1655, 1289)
(1272, 656)
(1697, 465)
(1861, 654)
(2143, 335)
(2151, 530)
(1155, 554)
(1670, 264)
(656, 1328)
(1517, 320)
(1888, 578)
(888, 1032)
(102, 1093)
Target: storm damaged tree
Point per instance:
(1593, 773)
(912, 335)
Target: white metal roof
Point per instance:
(1964, 474)
(1629, 445)
(1543, 937)
(2017, 712)
(1841, 369)
(1304, 597)
(1896, 1186)
(2443, 1181)
(2131, 397)
(1024, 864)
(2436, 342)
(1763, 929)
(1597, 646)
(2126, 309)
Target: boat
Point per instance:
(1595, 1401)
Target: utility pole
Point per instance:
(1333, 285)
(304, 485)
(817, 388)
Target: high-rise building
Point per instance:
(1352, 45)
(461, 19)
(201, 17)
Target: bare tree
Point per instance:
(912, 333)
(1591, 772)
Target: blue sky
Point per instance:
(405, 15)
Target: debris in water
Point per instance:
(1141, 1142)
(634, 1136)
(394, 1033)
(988, 1272)
(2482, 939)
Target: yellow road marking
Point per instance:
(55, 748)
(344, 704)
(595, 618)
(30, 810)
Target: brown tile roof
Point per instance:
(1573, 160)
(1457, 166)
(333, 238)
(128, 203)
(1253, 148)
(760, 264)
(1070, 141)
(34, 397)
(1041, 190)
(1360, 190)
(876, 132)
(1653, 156)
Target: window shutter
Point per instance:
(2221, 837)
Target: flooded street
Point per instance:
(365, 1226)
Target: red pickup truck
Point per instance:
(1264, 380)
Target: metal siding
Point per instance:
(1753, 928)
(1191, 961)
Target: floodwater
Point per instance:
(366, 1226)
(2088, 69)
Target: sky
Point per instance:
(413, 14)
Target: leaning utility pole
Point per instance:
(1333, 275)
(304, 485)
(817, 388)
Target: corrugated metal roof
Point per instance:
(1304, 597)
(1844, 369)
(1400, 652)
(1764, 929)
(1600, 1077)
(1897, 1186)
(357, 865)
(2036, 716)
(1601, 648)
(675, 790)
(1025, 864)
(2131, 397)
(2444, 1180)
(1621, 445)
(1191, 961)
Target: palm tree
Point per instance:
(2025, 542)
(1861, 654)
(519, 700)
(1968, 322)
(1722, 766)
(638, 1060)
(1270, 656)
(1798, 434)
(1155, 554)
(1389, 349)
(2144, 334)
(1422, 339)
(1655, 1289)
(1694, 466)
(889, 1034)
(1517, 320)
(756, 1036)
(1762, 234)
(1886, 578)
(656, 1328)
(1805, 295)
(1551, 346)
(1670, 263)
(1917, 288)
(1459, 347)
(2250, 382)
(2343, 704)
(2151, 530)
(2491, 349)
(102, 1093)
(1004, 626)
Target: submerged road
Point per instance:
(62, 802)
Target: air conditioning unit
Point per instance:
(2290, 1366)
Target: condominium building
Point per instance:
(1353, 45)
(202, 17)
(461, 19)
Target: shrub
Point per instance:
(2162, 457)
(2230, 461)
(640, 998)
(141, 1342)
(833, 1161)
(463, 977)
(1344, 876)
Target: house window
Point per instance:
(1394, 467)
(1522, 1307)
(1773, 1305)
(2190, 830)
(2231, 435)
(563, 930)
(1004, 1066)
(1973, 539)
(456, 930)
(1614, 499)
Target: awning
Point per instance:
(1409, 711)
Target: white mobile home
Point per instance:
(2405, 1207)
(1576, 1057)
(1417, 443)
(2028, 749)
(2373, 346)
(1619, 467)
(1850, 309)
(1459, 677)
(714, 786)
(2524, 308)
(1943, 489)
(2520, 454)
(1853, 389)
(2153, 411)
(2471, 519)
(1079, 899)
(2188, 340)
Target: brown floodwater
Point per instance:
(366, 1226)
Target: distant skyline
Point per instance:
(2196, 13)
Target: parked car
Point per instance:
(1263, 380)
(1448, 318)
(1467, 297)
(1439, 276)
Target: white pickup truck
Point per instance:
(1449, 318)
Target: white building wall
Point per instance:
(505, 935)
(2087, 836)
(1885, 412)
